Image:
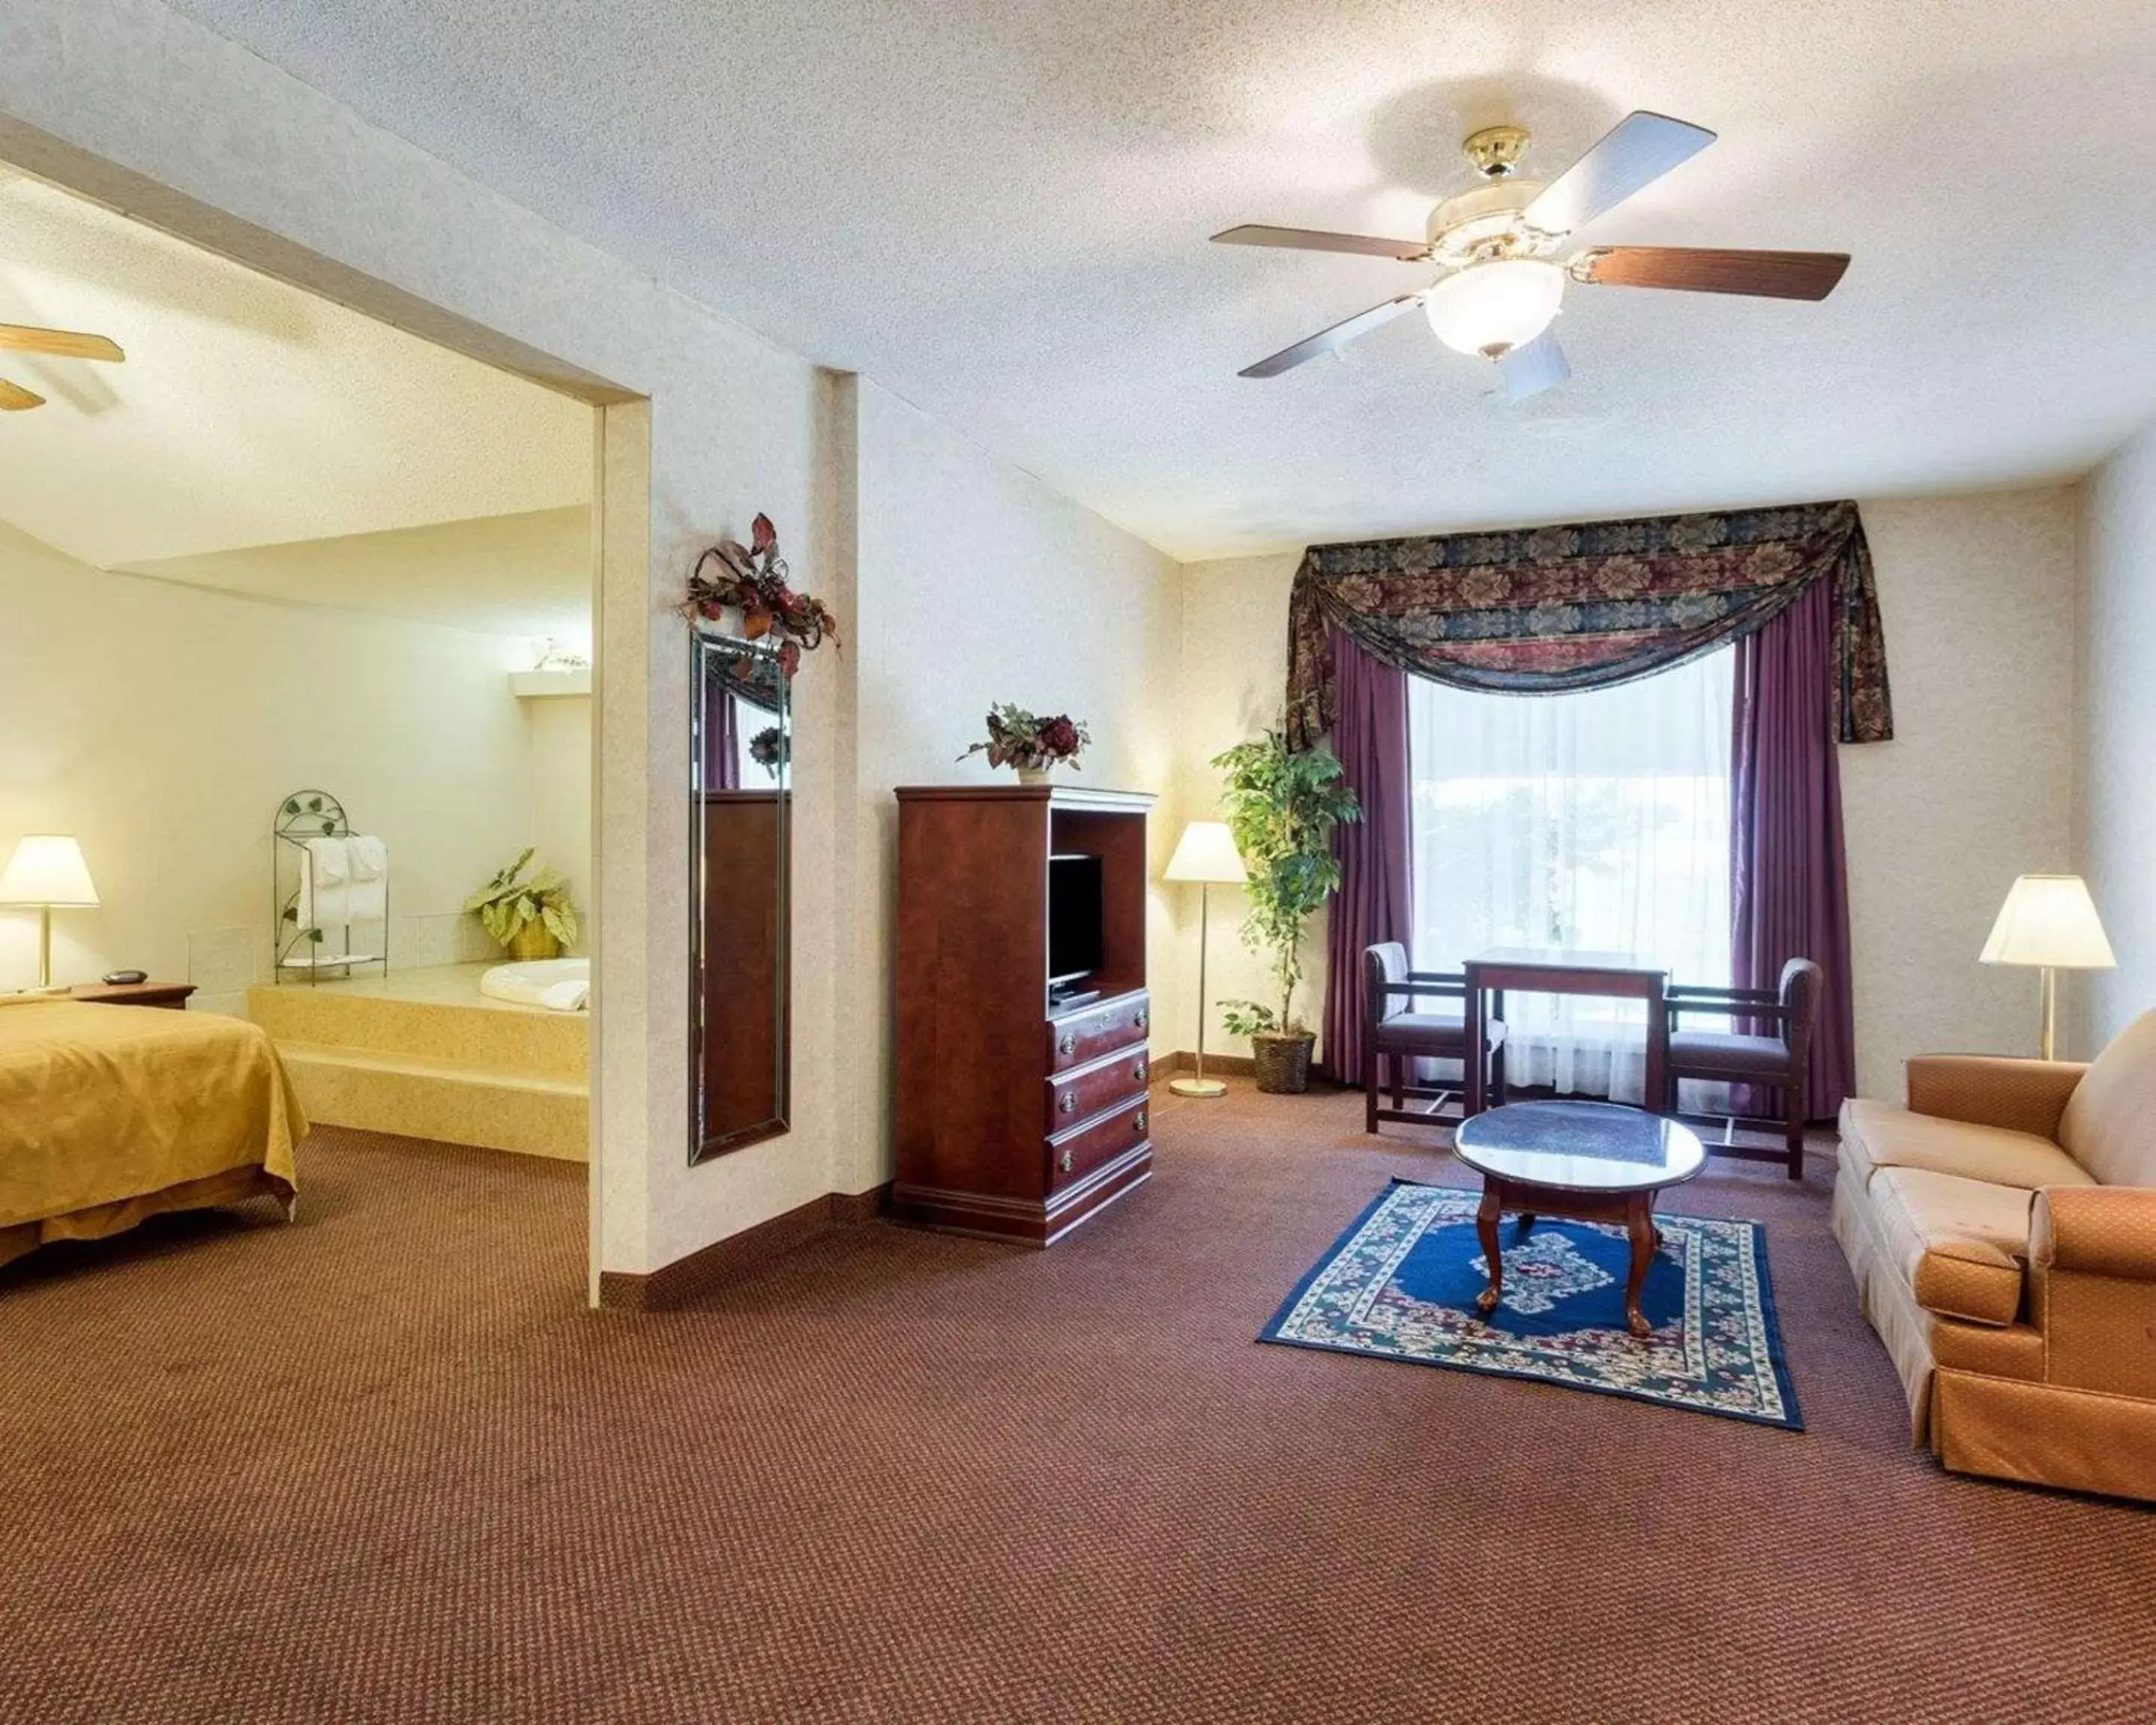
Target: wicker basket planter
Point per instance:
(1283, 1062)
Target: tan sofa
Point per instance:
(2002, 1229)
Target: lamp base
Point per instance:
(1198, 1087)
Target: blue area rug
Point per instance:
(1400, 1284)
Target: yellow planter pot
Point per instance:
(535, 940)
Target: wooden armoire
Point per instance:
(1017, 1118)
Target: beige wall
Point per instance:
(1978, 597)
(2116, 733)
(1235, 667)
(557, 732)
(160, 725)
(977, 584)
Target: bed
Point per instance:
(111, 1114)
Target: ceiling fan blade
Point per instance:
(66, 344)
(1772, 275)
(13, 398)
(1310, 239)
(1332, 340)
(1534, 366)
(1636, 151)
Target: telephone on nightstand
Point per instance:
(123, 979)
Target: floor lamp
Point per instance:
(1205, 854)
(2050, 921)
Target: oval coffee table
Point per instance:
(1586, 1162)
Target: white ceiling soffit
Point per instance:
(1000, 211)
(247, 413)
(527, 574)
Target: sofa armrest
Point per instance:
(2096, 1230)
(1994, 1090)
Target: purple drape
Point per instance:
(1376, 900)
(1788, 874)
(721, 736)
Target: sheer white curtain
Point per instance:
(1597, 820)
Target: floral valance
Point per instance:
(1546, 610)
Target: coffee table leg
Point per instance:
(1485, 1226)
(1639, 1228)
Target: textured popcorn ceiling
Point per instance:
(248, 413)
(997, 208)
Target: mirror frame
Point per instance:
(706, 1146)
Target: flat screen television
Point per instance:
(1075, 913)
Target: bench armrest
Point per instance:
(1994, 1090)
(2096, 1230)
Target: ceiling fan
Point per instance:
(60, 344)
(1497, 245)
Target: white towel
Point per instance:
(565, 997)
(325, 891)
(369, 899)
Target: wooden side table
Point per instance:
(1534, 970)
(174, 995)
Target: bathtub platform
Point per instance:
(423, 1054)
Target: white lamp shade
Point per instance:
(48, 869)
(1206, 852)
(1492, 308)
(2049, 919)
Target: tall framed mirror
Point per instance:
(740, 837)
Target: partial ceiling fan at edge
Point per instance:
(51, 344)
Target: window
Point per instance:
(1597, 820)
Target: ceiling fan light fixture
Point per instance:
(1491, 307)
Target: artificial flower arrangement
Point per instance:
(771, 749)
(752, 579)
(1017, 738)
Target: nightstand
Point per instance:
(170, 994)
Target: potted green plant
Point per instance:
(1282, 806)
(531, 918)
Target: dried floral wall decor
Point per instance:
(752, 579)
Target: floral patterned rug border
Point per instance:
(1716, 1347)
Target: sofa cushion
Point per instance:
(2110, 1123)
(1887, 1136)
(1959, 1244)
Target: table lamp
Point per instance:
(46, 870)
(1206, 854)
(2051, 922)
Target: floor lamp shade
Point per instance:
(47, 870)
(2049, 922)
(1206, 854)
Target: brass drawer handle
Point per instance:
(1067, 1103)
(1063, 1162)
(1067, 1043)
(1138, 1072)
(1138, 1122)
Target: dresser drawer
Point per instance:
(1074, 1154)
(1083, 1091)
(1081, 1037)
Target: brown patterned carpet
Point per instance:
(381, 1466)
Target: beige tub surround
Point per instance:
(2002, 1231)
(423, 1054)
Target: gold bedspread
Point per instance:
(103, 1108)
